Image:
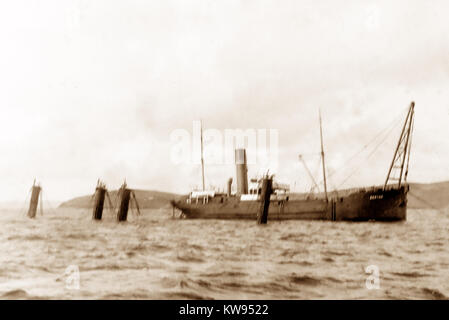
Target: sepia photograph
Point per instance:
(242, 151)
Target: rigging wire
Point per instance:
(134, 209)
(47, 202)
(131, 205)
(111, 206)
(382, 135)
(409, 147)
(90, 203)
(23, 209)
(41, 206)
(136, 203)
(117, 200)
(317, 169)
(387, 129)
(425, 202)
(367, 157)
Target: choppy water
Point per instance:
(155, 257)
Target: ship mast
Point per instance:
(403, 149)
(322, 157)
(202, 155)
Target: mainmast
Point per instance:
(322, 158)
(403, 149)
(202, 155)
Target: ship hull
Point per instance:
(380, 205)
(375, 204)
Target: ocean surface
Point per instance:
(65, 255)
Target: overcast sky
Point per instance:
(93, 88)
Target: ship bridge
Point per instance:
(280, 191)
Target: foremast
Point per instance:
(202, 156)
(401, 156)
(322, 158)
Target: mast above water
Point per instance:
(402, 152)
(202, 156)
(322, 157)
(35, 193)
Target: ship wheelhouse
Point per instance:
(280, 191)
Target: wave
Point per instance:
(434, 294)
(294, 236)
(158, 247)
(16, 294)
(338, 253)
(293, 252)
(384, 253)
(273, 286)
(108, 267)
(30, 237)
(184, 295)
(190, 258)
(298, 263)
(410, 274)
(304, 280)
(224, 274)
(126, 295)
(78, 236)
(20, 294)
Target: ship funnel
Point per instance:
(229, 190)
(242, 171)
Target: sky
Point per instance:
(95, 89)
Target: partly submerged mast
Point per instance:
(202, 155)
(35, 192)
(322, 158)
(402, 151)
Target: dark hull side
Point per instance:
(375, 204)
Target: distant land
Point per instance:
(147, 199)
(421, 196)
(429, 195)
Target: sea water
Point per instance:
(63, 254)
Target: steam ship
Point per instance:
(382, 203)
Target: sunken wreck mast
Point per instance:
(99, 197)
(35, 193)
(126, 196)
(383, 203)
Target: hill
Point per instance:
(147, 199)
(429, 195)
